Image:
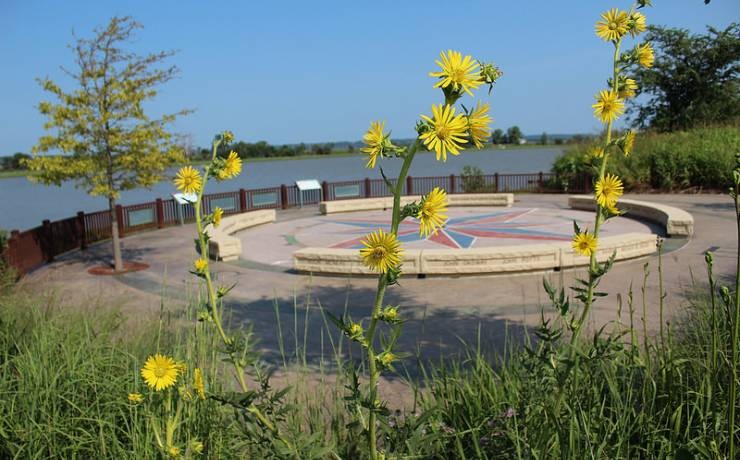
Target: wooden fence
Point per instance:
(29, 249)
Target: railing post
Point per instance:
(453, 184)
(325, 190)
(540, 182)
(368, 188)
(242, 200)
(160, 213)
(409, 185)
(11, 252)
(586, 182)
(495, 182)
(81, 231)
(283, 196)
(47, 241)
(119, 218)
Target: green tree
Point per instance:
(694, 81)
(543, 139)
(498, 137)
(108, 144)
(513, 135)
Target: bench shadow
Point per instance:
(297, 331)
(728, 206)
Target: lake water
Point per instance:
(24, 204)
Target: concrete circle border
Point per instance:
(491, 260)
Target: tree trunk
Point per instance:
(117, 259)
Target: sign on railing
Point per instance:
(264, 199)
(140, 216)
(227, 203)
(346, 191)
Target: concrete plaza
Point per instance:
(441, 311)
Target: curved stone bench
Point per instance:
(223, 246)
(676, 222)
(372, 204)
(342, 261)
(501, 259)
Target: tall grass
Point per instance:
(66, 371)
(65, 374)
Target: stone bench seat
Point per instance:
(222, 245)
(383, 203)
(496, 259)
(676, 222)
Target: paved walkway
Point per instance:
(442, 311)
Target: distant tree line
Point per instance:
(262, 149)
(14, 162)
(513, 135)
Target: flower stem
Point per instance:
(382, 285)
(599, 216)
(216, 312)
(732, 401)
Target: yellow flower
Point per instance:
(637, 23)
(461, 73)
(608, 190)
(389, 314)
(135, 398)
(200, 387)
(376, 141)
(431, 211)
(613, 25)
(232, 166)
(188, 180)
(227, 137)
(218, 213)
(382, 251)
(584, 243)
(174, 452)
(185, 393)
(355, 330)
(595, 152)
(628, 88)
(200, 265)
(160, 372)
(645, 55)
(608, 106)
(613, 210)
(387, 358)
(196, 446)
(628, 142)
(447, 131)
(478, 121)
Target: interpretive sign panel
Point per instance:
(185, 198)
(308, 185)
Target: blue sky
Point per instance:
(289, 72)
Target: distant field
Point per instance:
(15, 173)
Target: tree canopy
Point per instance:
(694, 81)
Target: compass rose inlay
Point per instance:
(460, 232)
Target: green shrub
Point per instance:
(473, 181)
(702, 158)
